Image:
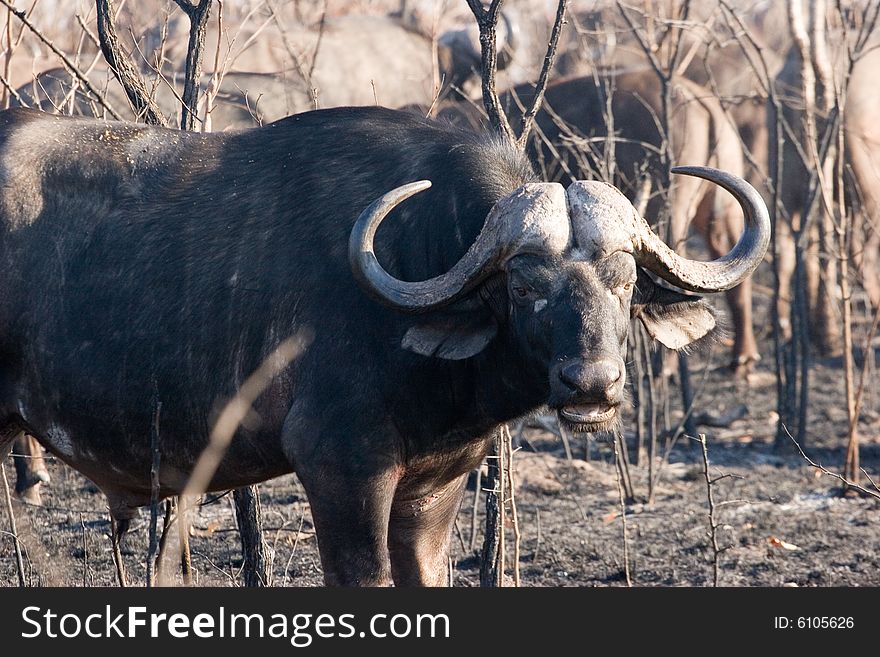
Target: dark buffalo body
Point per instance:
(151, 261)
(146, 265)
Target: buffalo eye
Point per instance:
(521, 292)
(623, 290)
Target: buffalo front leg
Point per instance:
(350, 510)
(420, 532)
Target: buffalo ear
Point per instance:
(453, 337)
(674, 319)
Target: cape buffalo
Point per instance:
(861, 165)
(144, 263)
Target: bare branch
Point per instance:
(679, 25)
(528, 116)
(713, 523)
(643, 43)
(219, 70)
(198, 22)
(869, 478)
(85, 28)
(69, 65)
(123, 69)
(13, 532)
(622, 502)
(491, 571)
(511, 498)
(153, 545)
(11, 45)
(487, 21)
(116, 532)
(824, 470)
(12, 91)
(249, 514)
(304, 72)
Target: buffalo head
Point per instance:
(564, 271)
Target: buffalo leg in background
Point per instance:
(30, 468)
(720, 221)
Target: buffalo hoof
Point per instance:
(742, 367)
(31, 494)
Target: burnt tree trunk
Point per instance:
(489, 566)
(250, 525)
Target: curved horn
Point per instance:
(727, 271)
(532, 218)
(417, 296)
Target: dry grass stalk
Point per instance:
(19, 561)
(620, 495)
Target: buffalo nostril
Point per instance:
(572, 375)
(614, 372)
(597, 378)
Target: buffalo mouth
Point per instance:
(588, 416)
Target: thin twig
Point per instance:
(85, 576)
(839, 477)
(115, 540)
(478, 475)
(537, 535)
(869, 338)
(620, 496)
(302, 516)
(7, 87)
(154, 489)
(528, 116)
(566, 442)
(493, 534)
(183, 528)
(217, 74)
(123, 69)
(487, 21)
(623, 465)
(514, 518)
(460, 536)
(321, 26)
(85, 28)
(869, 478)
(10, 51)
(69, 65)
(643, 43)
(198, 15)
(501, 443)
(19, 561)
(713, 524)
(227, 425)
(305, 73)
